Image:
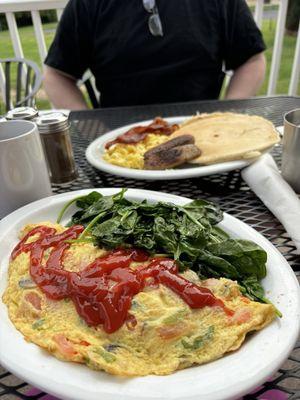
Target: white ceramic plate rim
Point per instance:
(230, 377)
(96, 149)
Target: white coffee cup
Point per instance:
(23, 170)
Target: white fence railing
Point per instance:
(9, 7)
(277, 48)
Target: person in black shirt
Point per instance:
(147, 51)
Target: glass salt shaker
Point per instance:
(22, 113)
(55, 135)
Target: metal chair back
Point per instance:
(27, 83)
(92, 94)
(88, 81)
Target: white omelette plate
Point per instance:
(95, 151)
(228, 378)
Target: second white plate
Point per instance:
(95, 151)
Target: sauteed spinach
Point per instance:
(188, 233)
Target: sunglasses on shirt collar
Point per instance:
(154, 22)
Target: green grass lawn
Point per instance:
(288, 51)
(269, 26)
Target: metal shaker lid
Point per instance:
(27, 113)
(52, 122)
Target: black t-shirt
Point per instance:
(112, 39)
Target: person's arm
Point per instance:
(70, 54)
(62, 90)
(248, 78)
(243, 47)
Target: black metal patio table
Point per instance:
(227, 189)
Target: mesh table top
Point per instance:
(226, 189)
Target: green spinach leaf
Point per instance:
(188, 233)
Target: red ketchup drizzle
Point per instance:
(138, 133)
(103, 291)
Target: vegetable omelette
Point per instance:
(163, 331)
